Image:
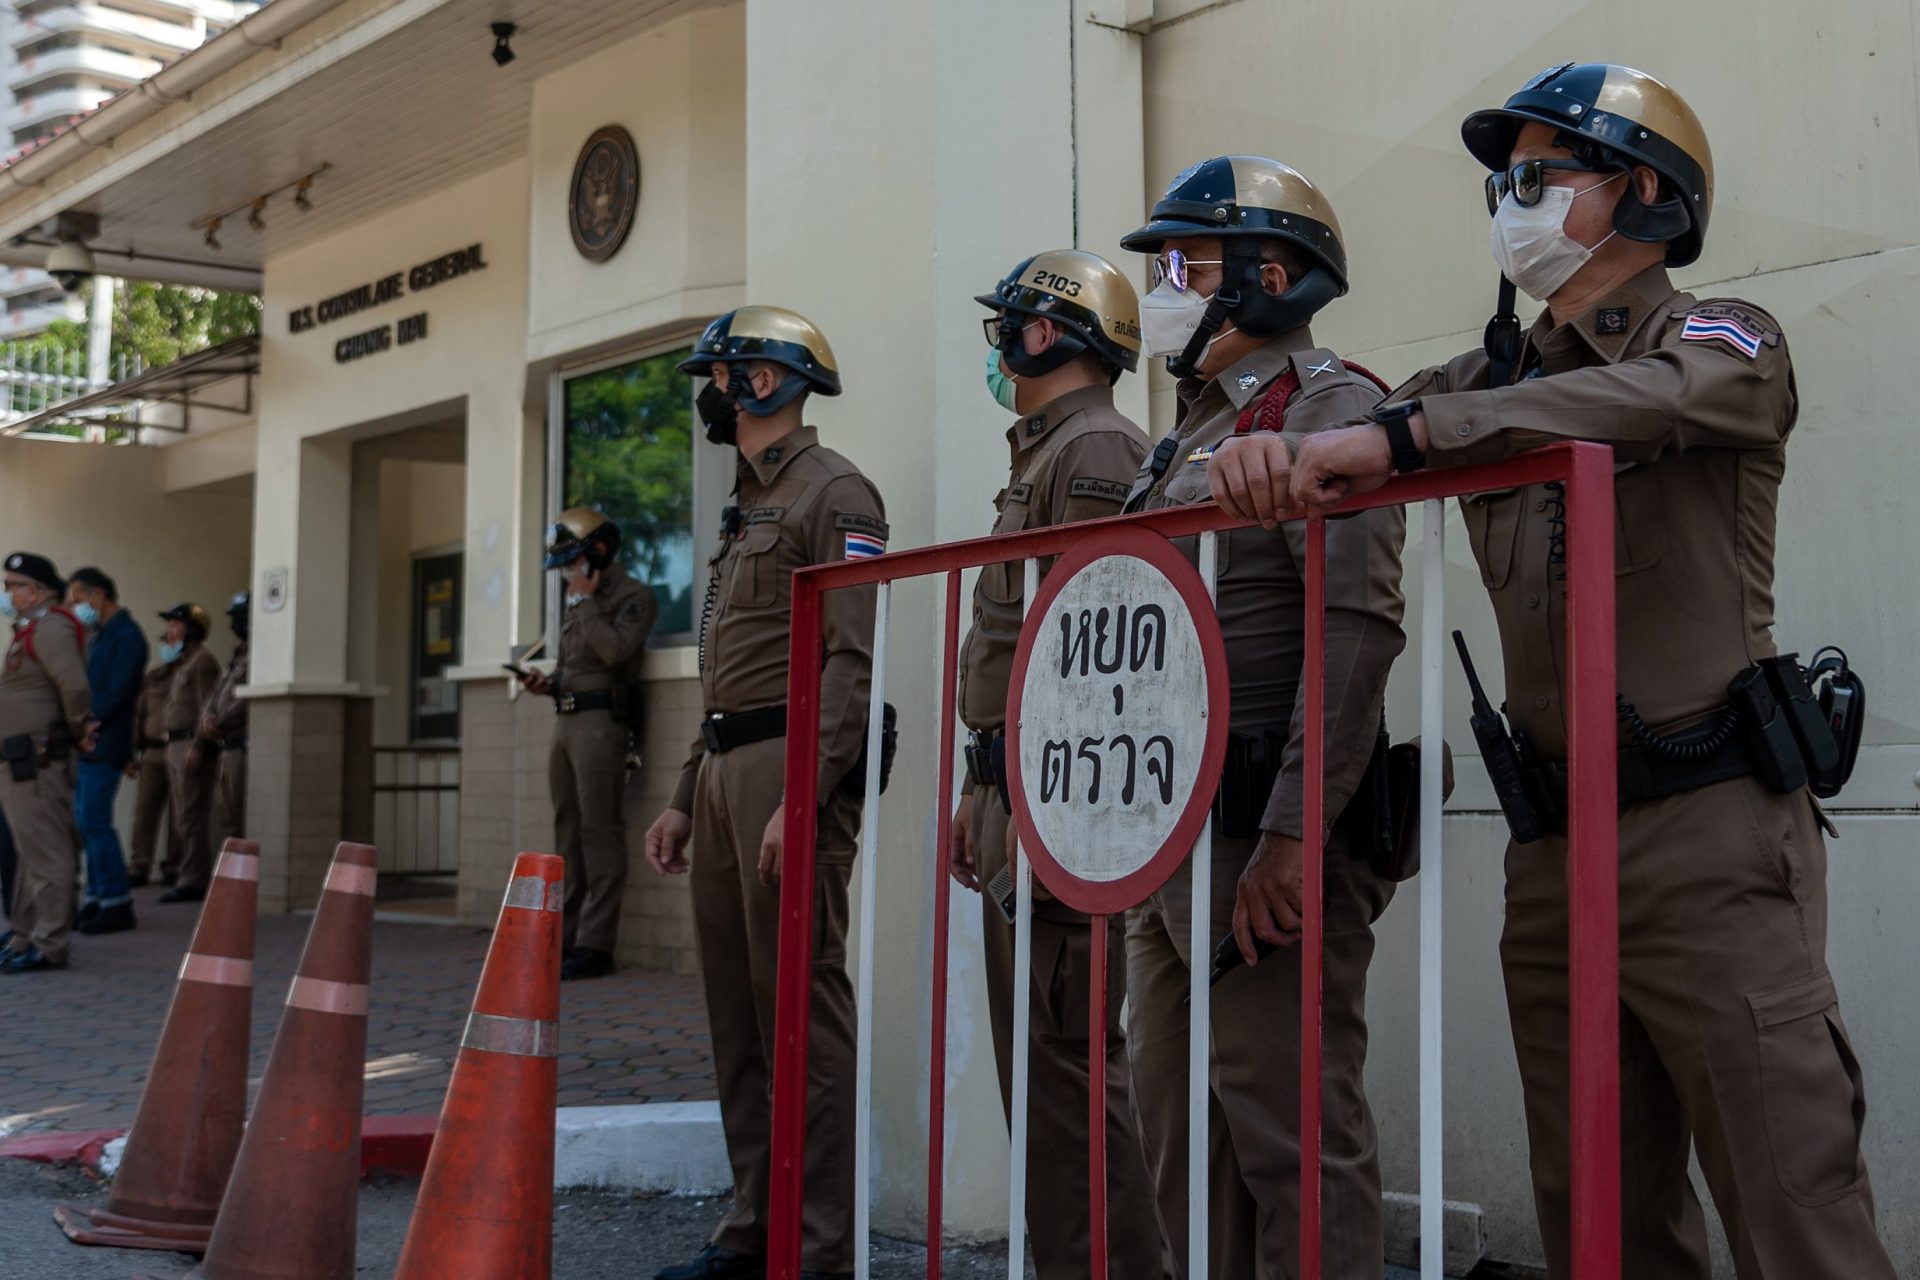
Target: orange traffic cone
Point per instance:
(293, 1201)
(187, 1129)
(486, 1200)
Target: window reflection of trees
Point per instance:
(629, 453)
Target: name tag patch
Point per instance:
(1094, 487)
(860, 522)
(1022, 492)
(766, 515)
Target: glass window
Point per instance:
(627, 450)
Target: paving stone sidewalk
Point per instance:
(75, 1045)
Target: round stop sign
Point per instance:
(1116, 719)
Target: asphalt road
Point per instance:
(597, 1235)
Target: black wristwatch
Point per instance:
(1394, 417)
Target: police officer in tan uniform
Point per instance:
(1065, 326)
(149, 768)
(223, 725)
(1247, 250)
(191, 773)
(596, 693)
(799, 504)
(44, 704)
(1731, 1042)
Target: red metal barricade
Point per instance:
(1587, 472)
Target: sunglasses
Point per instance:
(1171, 267)
(1526, 182)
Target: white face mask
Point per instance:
(1531, 243)
(1168, 319)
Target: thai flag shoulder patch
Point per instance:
(1727, 328)
(861, 545)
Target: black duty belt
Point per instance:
(725, 730)
(586, 700)
(150, 743)
(1646, 776)
(179, 735)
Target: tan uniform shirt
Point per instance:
(1262, 591)
(195, 674)
(150, 710)
(228, 709)
(1698, 428)
(603, 639)
(50, 683)
(1072, 460)
(798, 502)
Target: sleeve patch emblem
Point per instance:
(1733, 332)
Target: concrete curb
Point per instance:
(664, 1148)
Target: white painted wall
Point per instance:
(313, 408)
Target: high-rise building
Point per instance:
(59, 59)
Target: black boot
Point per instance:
(185, 893)
(715, 1263)
(585, 962)
(115, 919)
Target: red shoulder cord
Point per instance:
(79, 632)
(1269, 412)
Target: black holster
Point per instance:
(22, 760)
(1246, 782)
(854, 784)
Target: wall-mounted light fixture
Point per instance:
(256, 208)
(502, 51)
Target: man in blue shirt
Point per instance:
(116, 660)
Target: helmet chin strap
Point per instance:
(1187, 363)
(1502, 339)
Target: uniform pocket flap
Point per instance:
(758, 538)
(1790, 1003)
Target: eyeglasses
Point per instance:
(1527, 181)
(1172, 265)
(997, 325)
(16, 584)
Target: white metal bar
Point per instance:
(869, 892)
(1433, 625)
(1022, 1019)
(1200, 1005)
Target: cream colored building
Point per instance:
(874, 164)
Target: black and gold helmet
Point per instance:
(1620, 116)
(198, 624)
(774, 334)
(1240, 196)
(1084, 294)
(582, 531)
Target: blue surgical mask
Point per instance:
(171, 650)
(88, 615)
(999, 385)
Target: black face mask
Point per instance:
(718, 414)
(239, 623)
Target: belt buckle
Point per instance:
(710, 732)
(566, 704)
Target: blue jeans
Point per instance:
(93, 792)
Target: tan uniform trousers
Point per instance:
(1254, 1145)
(587, 776)
(150, 818)
(736, 923)
(47, 850)
(233, 789)
(1730, 1041)
(190, 796)
(1059, 1043)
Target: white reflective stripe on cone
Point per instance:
(322, 996)
(531, 893)
(1200, 1011)
(1022, 1018)
(525, 1037)
(221, 971)
(237, 866)
(350, 877)
(1433, 624)
(869, 875)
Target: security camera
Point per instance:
(70, 263)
